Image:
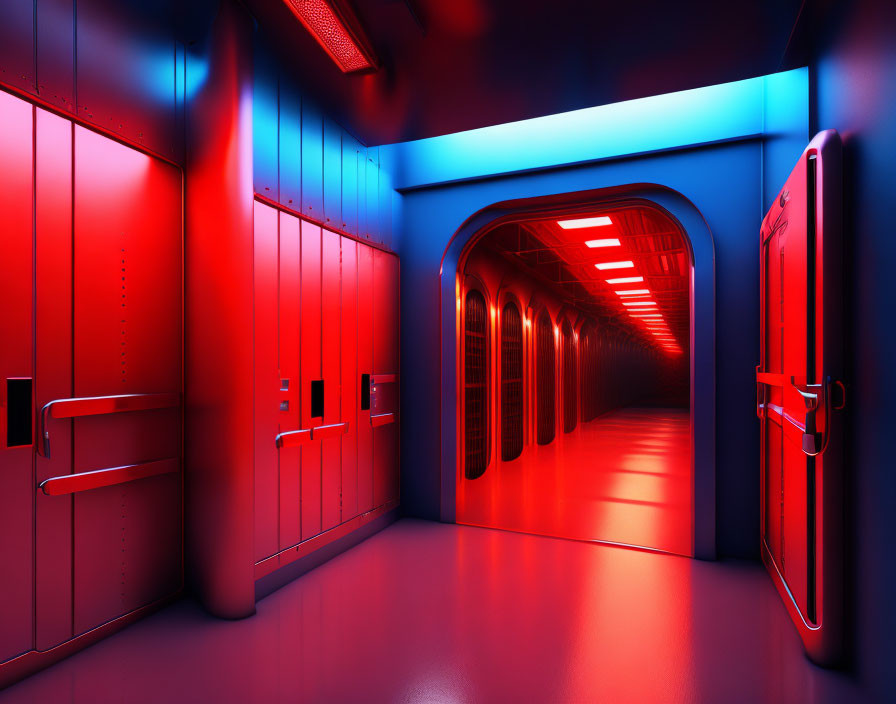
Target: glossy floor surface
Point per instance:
(428, 612)
(624, 477)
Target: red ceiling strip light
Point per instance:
(336, 29)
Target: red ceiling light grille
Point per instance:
(336, 29)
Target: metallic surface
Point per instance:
(801, 354)
(103, 298)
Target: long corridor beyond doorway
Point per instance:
(624, 477)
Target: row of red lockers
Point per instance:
(91, 295)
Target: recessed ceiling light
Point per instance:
(636, 314)
(615, 265)
(638, 303)
(337, 30)
(634, 292)
(580, 223)
(626, 280)
(610, 242)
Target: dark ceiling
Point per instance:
(451, 65)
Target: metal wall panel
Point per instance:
(16, 478)
(311, 371)
(127, 339)
(55, 52)
(126, 66)
(292, 376)
(332, 174)
(350, 149)
(290, 146)
(265, 124)
(17, 44)
(372, 192)
(312, 162)
(351, 378)
(331, 334)
(267, 381)
(53, 374)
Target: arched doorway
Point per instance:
(607, 444)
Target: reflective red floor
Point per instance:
(428, 612)
(624, 477)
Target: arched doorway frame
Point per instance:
(698, 238)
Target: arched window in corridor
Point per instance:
(511, 382)
(545, 360)
(570, 375)
(475, 385)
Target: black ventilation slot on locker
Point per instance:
(18, 420)
(365, 392)
(317, 398)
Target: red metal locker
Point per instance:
(365, 369)
(127, 340)
(351, 378)
(291, 382)
(16, 412)
(798, 394)
(267, 381)
(334, 424)
(311, 377)
(105, 485)
(53, 261)
(384, 401)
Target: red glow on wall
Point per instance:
(332, 26)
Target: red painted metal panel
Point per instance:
(220, 385)
(292, 380)
(801, 364)
(16, 477)
(53, 373)
(331, 339)
(365, 366)
(351, 378)
(267, 382)
(311, 371)
(127, 339)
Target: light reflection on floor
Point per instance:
(624, 478)
(433, 613)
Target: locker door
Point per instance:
(384, 401)
(291, 383)
(365, 370)
(351, 379)
(330, 434)
(16, 433)
(267, 381)
(312, 379)
(798, 393)
(127, 537)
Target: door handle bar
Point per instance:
(292, 438)
(83, 481)
(98, 405)
(378, 419)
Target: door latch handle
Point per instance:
(818, 396)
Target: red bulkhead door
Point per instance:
(800, 393)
